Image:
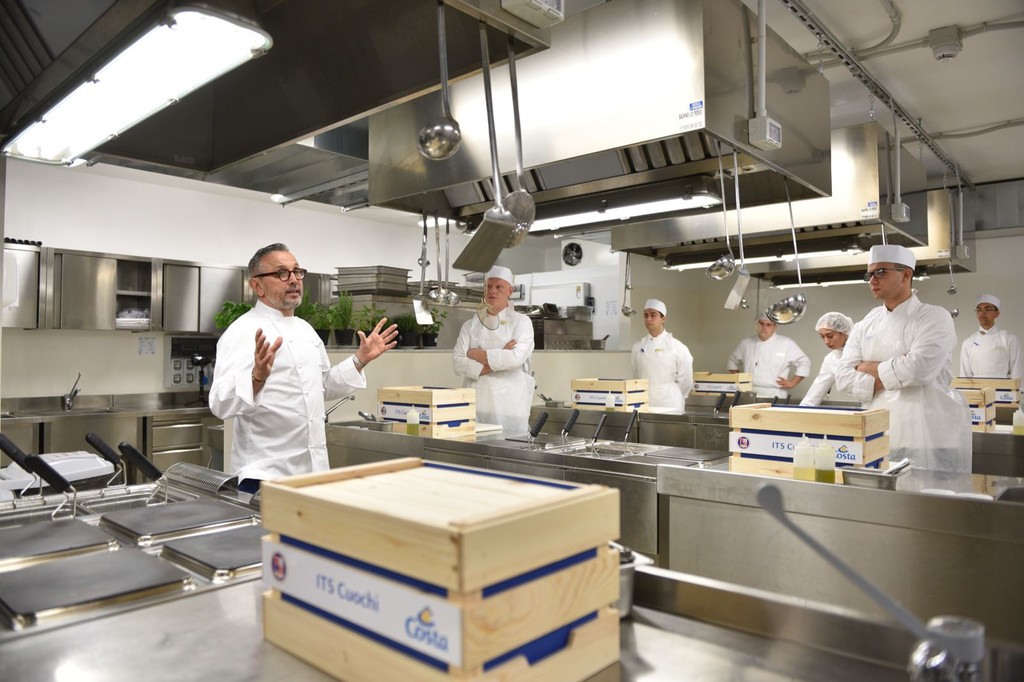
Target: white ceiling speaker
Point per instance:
(945, 42)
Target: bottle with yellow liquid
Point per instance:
(824, 463)
(1018, 422)
(412, 422)
(803, 460)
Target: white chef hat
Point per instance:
(501, 272)
(892, 253)
(837, 322)
(764, 316)
(989, 298)
(655, 304)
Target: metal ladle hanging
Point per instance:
(726, 264)
(437, 294)
(626, 287)
(519, 203)
(442, 137)
(791, 308)
(450, 297)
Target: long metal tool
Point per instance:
(519, 202)
(419, 306)
(498, 224)
(735, 297)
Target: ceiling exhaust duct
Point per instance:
(624, 106)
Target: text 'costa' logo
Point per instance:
(422, 628)
(278, 566)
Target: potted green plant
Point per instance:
(229, 312)
(320, 321)
(366, 317)
(408, 330)
(341, 319)
(429, 332)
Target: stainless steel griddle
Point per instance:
(148, 525)
(24, 545)
(219, 556)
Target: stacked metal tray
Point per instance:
(377, 279)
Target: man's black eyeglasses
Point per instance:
(283, 274)
(880, 273)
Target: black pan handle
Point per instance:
(629, 427)
(538, 425)
(106, 452)
(41, 468)
(570, 422)
(139, 460)
(735, 398)
(721, 400)
(600, 425)
(13, 451)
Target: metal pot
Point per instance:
(597, 344)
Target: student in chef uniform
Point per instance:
(272, 376)
(493, 352)
(664, 361)
(769, 357)
(834, 329)
(991, 352)
(900, 357)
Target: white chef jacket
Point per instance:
(825, 382)
(505, 394)
(667, 365)
(769, 360)
(991, 353)
(279, 431)
(929, 422)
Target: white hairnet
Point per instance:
(837, 322)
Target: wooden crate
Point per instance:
(592, 394)
(492, 561)
(1007, 390)
(982, 402)
(783, 468)
(717, 382)
(761, 431)
(443, 412)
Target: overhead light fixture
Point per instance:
(190, 47)
(701, 197)
(784, 258)
(355, 179)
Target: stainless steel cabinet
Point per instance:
(25, 279)
(192, 295)
(84, 290)
(177, 439)
(217, 285)
(67, 434)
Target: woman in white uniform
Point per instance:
(492, 354)
(664, 361)
(834, 329)
(991, 352)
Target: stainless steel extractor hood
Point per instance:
(623, 108)
(851, 219)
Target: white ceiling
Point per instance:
(980, 88)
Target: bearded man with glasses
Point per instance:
(272, 375)
(900, 357)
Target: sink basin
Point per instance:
(387, 427)
(1015, 494)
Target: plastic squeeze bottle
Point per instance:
(803, 460)
(824, 463)
(609, 402)
(412, 423)
(1018, 421)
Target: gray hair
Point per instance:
(257, 258)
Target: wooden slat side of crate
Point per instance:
(426, 395)
(473, 628)
(478, 528)
(722, 382)
(830, 421)
(617, 385)
(453, 429)
(982, 404)
(1007, 390)
(346, 655)
(639, 407)
(855, 452)
(627, 394)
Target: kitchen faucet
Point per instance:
(336, 405)
(69, 397)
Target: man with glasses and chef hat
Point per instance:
(664, 361)
(991, 352)
(492, 354)
(273, 375)
(900, 357)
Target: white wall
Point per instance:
(122, 211)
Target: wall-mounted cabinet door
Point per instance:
(87, 292)
(21, 283)
(181, 298)
(217, 285)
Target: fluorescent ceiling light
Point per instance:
(625, 213)
(785, 258)
(187, 50)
